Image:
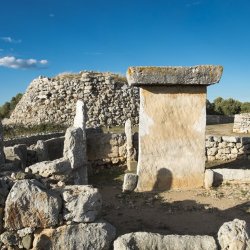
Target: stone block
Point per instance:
(209, 179)
(129, 182)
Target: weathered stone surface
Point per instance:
(196, 75)
(234, 235)
(232, 175)
(73, 147)
(108, 99)
(29, 204)
(93, 236)
(129, 182)
(41, 151)
(148, 241)
(129, 145)
(2, 156)
(81, 203)
(242, 123)
(209, 179)
(10, 239)
(17, 153)
(171, 141)
(49, 168)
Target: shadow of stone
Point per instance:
(163, 180)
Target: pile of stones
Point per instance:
(108, 99)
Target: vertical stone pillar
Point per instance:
(2, 156)
(172, 124)
(129, 139)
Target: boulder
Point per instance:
(29, 204)
(81, 203)
(130, 182)
(149, 241)
(49, 168)
(2, 156)
(93, 236)
(234, 235)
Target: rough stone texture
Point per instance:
(196, 75)
(129, 182)
(225, 148)
(234, 235)
(42, 151)
(129, 143)
(73, 147)
(81, 203)
(171, 141)
(50, 168)
(149, 241)
(242, 123)
(109, 148)
(231, 175)
(17, 153)
(29, 204)
(209, 179)
(2, 156)
(108, 99)
(93, 236)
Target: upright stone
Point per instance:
(2, 157)
(172, 124)
(129, 138)
(242, 123)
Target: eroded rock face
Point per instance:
(29, 204)
(79, 236)
(129, 182)
(81, 203)
(234, 235)
(2, 157)
(149, 241)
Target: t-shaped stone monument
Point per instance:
(172, 124)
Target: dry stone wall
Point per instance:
(242, 123)
(227, 147)
(108, 99)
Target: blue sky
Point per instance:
(46, 37)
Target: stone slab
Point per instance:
(171, 137)
(174, 75)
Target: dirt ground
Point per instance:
(171, 212)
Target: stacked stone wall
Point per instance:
(242, 123)
(108, 99)
(227, 147)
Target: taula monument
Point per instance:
(172, 120)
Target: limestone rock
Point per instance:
(81, 203)
(129, 140)
(50, 168)
(130, 182)
(29, 204)
(209, 178)
(148, 241)
(74, 147)
(196, 75)
(41, 151)
(2, 156)
(232, 175)
(93, 236)
(17, 153)
(234, 235)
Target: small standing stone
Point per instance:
(209, 178)
(130, 149)
(130, 182)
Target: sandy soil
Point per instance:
(171, 212)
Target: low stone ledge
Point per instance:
(173, 75)
(231, 175)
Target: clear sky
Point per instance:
(46, 37)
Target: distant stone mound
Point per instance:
(108, 99)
